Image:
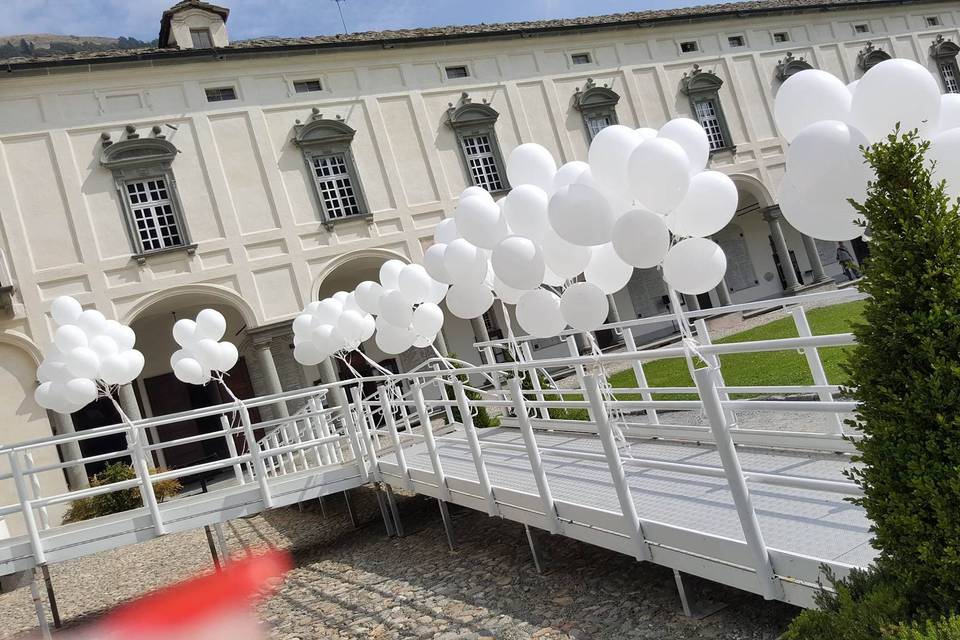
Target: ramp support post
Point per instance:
(534, 549)
(350, 513)
(693, 608)
(392, 500)
(384, 512)
(51, 596)
(447, 523)
(42, 623)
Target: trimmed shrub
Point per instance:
(943, 629)
(117, 501)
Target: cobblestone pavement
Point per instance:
(357, 583)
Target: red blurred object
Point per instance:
(238, 586)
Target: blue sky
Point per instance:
(251, 18)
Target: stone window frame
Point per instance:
(932, 21)
(469, 119)
(136, 159)
(220, 88)
(944, 53)
(195, 32)
(780, 37)
(585, 57)
(468, 72)
(695, 48)
(788, 66)
(320, 137)
(306, 84)
(596, 102)
(870, 56)
(859, 28)
(738, 37)
(703, 86)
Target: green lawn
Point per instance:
(772, 368)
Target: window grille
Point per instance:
(221, 94)
(948, 70)
(457, 72)
(153, 214)
(580, 58)
(307, 86)
(596, 124)
(707, 116)
(336, 186)
(478, 151)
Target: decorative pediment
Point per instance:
(700, 82)
(594, 97)
(135, 151)
(870, 56)
(789, 65)
(943, 49)
(467, 113)
(320, 130)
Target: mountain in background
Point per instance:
(39, 45)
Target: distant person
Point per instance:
(847, 262)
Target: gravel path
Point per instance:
(357, 583)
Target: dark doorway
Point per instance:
(99, 413)
(776, 261)
(704, 301)
(861, 250)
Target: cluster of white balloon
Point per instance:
(89, 354)
(202, 356)
(599, 219)
(826, 123)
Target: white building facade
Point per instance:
(257, 176)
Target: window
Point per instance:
(944, 52)
(736, 41)
(153, 217)
(201, 38)
(597, 105)
(580, 58)
(689, 46)
(221, 94)
(325, 144)
(707, 117)
(781, 36)
(871, 56)
(933, 21)
(861, 28)
(307, 86)
(948, 70)
(335, 186)
(142, 171)
(475, 128)
(481, 162)
(596, 124)
(457, 72)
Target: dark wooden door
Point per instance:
(99, 413)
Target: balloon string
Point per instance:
(235, 417)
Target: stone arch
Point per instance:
(200, 291)
(371, 255)
(22, 342)
(752, 186)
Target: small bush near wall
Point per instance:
(905, 375)
(943, 629)
(117, 501)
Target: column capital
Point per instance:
(772, 213)
(261, 341)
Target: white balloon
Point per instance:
(228, 356)
(473, 191)
(351, 326)
(207, 353)
(341, 297)
(949, 112)
(104, 346)
(659, 174)
(852, 86)
(823, 149)
(564, 259)
(641, 238)
(945, 152)
(479, 221)
(465, 263)
(83, 362)
(92, 322)
(303, 323)
(211, 324)
(822, 211)
(326, 339)
(551, 279)
(51, 371)
(307, 353)
(369, 327)
(469, 300)
(581, 215)
(646, 133)
(530, 163)
(427, 319)
(538, 313)
(65, 310)
(895, 91)
(445, 231)
(433, 262)
(584, 306)
(689, 134)
(414, 283)
(694, 266)
(328, 310)
(351, 304)
(518, 262)
(708, 207)
(526, 211)
(609, 152)
(607, 270)
(809, 96)
(135, 362)
(392, 339)
(506, 293)
(123, 335)
(569, 173)
(44, 396)
(368, 294)
(185, 332)
(437, 292)
(68, 337)
(190, 371)
(80, 391)
(422, 342)
(395, 308)
(113, 369)
(390, 273)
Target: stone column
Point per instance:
(441, 344)
(723, 293)
(328, 375)
(813, 255)
(479, 329)
(128, 402)
(270, 376)
(773, 216)
(614, 316)
(692, 303)
(77, 474)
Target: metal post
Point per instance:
(533, 455)
(447, 523)
(392, 501)
(442, 387)
(26, 509)
(350, 514)
(816, 366)
(384, 512)
(51, 596)
(135, 442)
(535, 380)
(222, 541)
(260, 470)
(770, 585)
(713, 360)
(577, 368)
(232, 449)
(490, 358)
(474, 443)
(367, 436)
(38, 606)
(615, 465)
(387, 409)
(534, 549)
(353, 436)
(417, 393)
(638, 373)
(35, 493)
